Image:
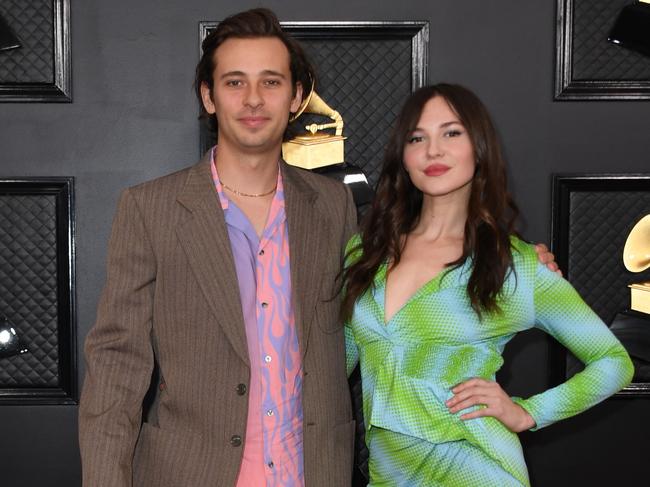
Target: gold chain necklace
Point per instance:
(248, 195)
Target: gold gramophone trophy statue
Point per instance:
(322, 151)
(636, 257)
(316, 148)
(632, 326)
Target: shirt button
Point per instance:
(269, 412)
(270, 464)
(267, 359)
(265, 304)
(261, 252)
(235, 440)
(241, 389)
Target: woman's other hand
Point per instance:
(547, 258)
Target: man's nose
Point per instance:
(253, 96)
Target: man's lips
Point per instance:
(436, 170)
(253, 121)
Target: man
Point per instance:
(222, 275)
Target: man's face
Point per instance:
(252, 95)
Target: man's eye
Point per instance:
(272, 82)
(233, 82)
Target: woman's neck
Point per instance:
(442, 217)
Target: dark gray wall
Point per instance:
(134, 118)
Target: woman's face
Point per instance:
(438, 154)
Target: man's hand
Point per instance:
(546, 257)
(496, 403)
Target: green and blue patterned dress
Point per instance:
(436, 341)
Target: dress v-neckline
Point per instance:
(416, 294)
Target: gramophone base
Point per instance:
(311, 154)
(640, 297)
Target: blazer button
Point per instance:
(241, 389)
(235, 440)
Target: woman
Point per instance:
(437, 283)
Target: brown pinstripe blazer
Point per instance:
(171, 296)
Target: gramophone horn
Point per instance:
(636, 253)
(304, 104)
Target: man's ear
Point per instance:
(206, 97)
(297, 98)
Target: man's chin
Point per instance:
(260, 142)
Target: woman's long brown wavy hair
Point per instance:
(396, 208)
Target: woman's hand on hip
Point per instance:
(493, 401)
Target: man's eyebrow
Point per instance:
(265, 72)
(271, 72)
(232, 73)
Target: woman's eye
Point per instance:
(453, 133)
(414, 139)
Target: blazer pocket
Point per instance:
(327, 314)
(166, 458)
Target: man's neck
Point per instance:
(251, 173)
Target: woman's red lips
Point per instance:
(436, 170)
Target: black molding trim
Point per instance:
(566, 88)
(563, 185)
(67, 391)
(60, 91)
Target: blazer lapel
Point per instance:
(204, 237)
(308, 229)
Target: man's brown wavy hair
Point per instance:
(396, 208)
(254, 23)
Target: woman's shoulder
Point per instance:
(524, 255)
(353, 249)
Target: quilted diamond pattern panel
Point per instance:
(367, 82)
(593, 57)
(28, 288)
(32, 21)
(599, 223)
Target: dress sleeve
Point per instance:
(351, 350)
(561, 312)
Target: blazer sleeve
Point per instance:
(561, 312)
(350, 227)
(119, 354)
(352, 253)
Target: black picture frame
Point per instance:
(569, 36)
(410, 36)
(64, 391)
(60, 89)
(592, 216)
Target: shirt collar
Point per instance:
(278, 198)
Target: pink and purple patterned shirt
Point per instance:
(273, 448)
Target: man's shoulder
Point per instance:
(323, 185)
(159, 197)
(165, 183)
